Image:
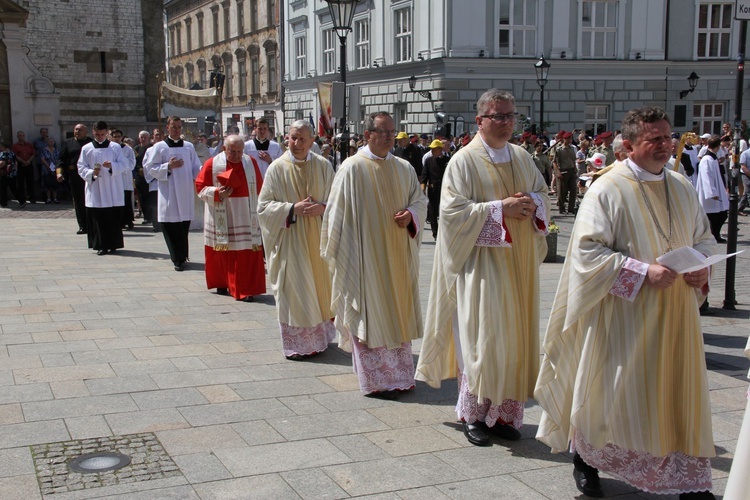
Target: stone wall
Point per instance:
(95, 55)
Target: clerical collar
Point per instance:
(122, 144)
(712, 154)
(174, 144)
(373, 156)
(99, 145)
(497, 155)
(643, 174)
(295, 160)
(261, 145)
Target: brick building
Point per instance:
(63, 63)
(236, 37)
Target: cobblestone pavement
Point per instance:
(101, 348)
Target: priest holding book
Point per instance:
(229, 184)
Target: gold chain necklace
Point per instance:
(665, 237)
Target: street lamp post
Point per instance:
(342, 14)
(542, 70)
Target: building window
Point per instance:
(253, 15)
(362, 40)
(178, 35)
(271, 50)
(329, 52)
(215, 22)
(202, 74)
(707, 118)
(254, 75)
(300, 46)
(199, 18)
(240, 18)
(241, 76)
(596, 119)
(225, 10)
(172, 41)
(228, 84)
(399, 116)
(598, 29)
(714, 30)
(180, 77)
(271, 12)
(517, 35)
(403, 34)
(188, 35)
(190, 75)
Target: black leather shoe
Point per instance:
(248, 298)
(699, 495)
(475, 434)
(222, 291)
(507, 432)
(81, 231)
(387, 395)
(587, 478)
(300, 357)
(101, 252)
(179, 267)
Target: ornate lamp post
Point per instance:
(342, 14)
(542, 70)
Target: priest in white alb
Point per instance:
(102, 165)
(623, 380)
(482, 321)
(290, 206)
(262, 148)
(370, 238)
(174, 163)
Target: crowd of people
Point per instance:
(340, 243)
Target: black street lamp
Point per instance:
(413, 85)
(542, 70)
(251, 106)
(342, 15)
(693, 82)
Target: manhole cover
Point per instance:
(59, 465)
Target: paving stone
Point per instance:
(52, 348)
(15, 462)
(169, 398)
(201, 467)
(69, 389)
(303, 405)
(200, 439)
(199, 377)
(246, 488)
(78, 407)
(257, 432)
(482, 488)
(24, 434)
(411, 441)
(317, 425)
(120, 385)
(344, 382)
(313, 484)
(106, 356)
(12, 363)
(143, 367)
(11, 414)
(24, 393)
(145, 421)
(279, 457)
(189, 363)
(125, 343)
(280, 388)
(354, 400)
(57, 374)
(57, 359)
(557, 482)
(42, 337)
(377, 476)
(413, 415)
(20, 487)
(219, 393)
(175, 351)
(87, 427)
(126, 489)
(238, 411)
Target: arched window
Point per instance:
(272, 50)
(241, 56)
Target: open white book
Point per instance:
(688, 259)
